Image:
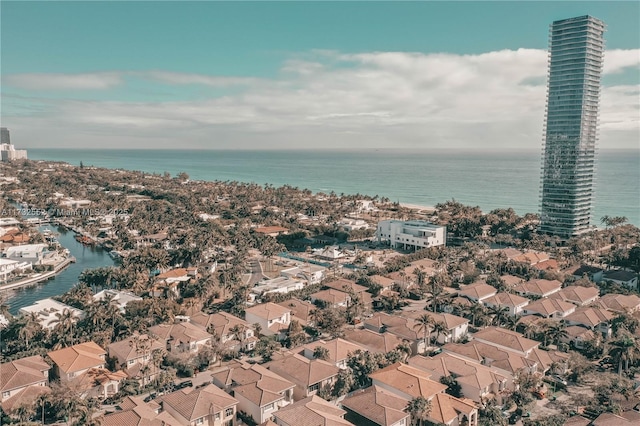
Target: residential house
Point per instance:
(409, 382)
(577, 335)
(119, 298)
(415, 234)
(331, 298)
(513, 302)
(619, 303)
(550, 308)
(16, 376)
(628, 279)
(309, 273)
(402, 327)
(10, 267)
(350, 287)
(311, 411)
(273, 231)
(49, 312)
(595, 319)
(207, 406)
(578, 295)
(506, 339)
(338, 350)
(478, 291)
(332, 253)
(374, 342)
(508, 361)
(376, 406)
(279, 285)
(134, 354)
(457, 327)
(73, 361)
(385, 283)
(273, 319)
(538, 288)
(511, 280)
(99, 383)
(167, 283)
(309, 375)
(592, 273)
(32, 253)
(231, 332)
(301, 310)
(477, 382)
(135, 412)
(181, 337)
(259, 391)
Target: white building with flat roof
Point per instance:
(34, 253)
(46, 309)
(119, 298)
(8, 267)
(413, 234)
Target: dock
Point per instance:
(39, 278)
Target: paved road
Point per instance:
(256, 272)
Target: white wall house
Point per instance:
(8, 267)
(33, 253)
(47, 310)
(415, 234)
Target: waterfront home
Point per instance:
(273, 319)
(16, 376)
(338, 350)
(311, 411)
(414, 235)
(538, 288)
(477, 382)
(513, 302)
(231, 332)
(49, 312)
(118, 298)
(32, 253)
(207, 406)
(134, 354)
(10, 267)
(181, 337)
(376, 406)
(167, 283)
(308, 375)
(259, 391)
(578, 295)
(72, 362)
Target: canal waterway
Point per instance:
(86, 258)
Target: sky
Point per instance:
(299, 75)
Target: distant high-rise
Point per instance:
(7, 151)
(4, 135)
(571, 130)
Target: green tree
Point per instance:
(419, 408)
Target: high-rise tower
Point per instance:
(571, 130)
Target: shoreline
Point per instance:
(32, 281)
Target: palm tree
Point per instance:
(30, 328)
(440, 328)
(424, 324)
(64, 322)
(625, 350)
(419, 408)
(499, 314)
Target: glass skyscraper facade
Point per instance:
(576, 53)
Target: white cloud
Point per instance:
(616, 60)
(86, 81)
(376, 99)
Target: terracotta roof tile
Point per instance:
(78, 357)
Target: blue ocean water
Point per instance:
(486, 179)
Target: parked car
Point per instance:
(514, 418)
(186, 384)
